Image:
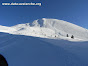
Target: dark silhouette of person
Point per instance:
(67, 35)
(3, 61)
(72, 36)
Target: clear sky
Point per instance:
(74, 11)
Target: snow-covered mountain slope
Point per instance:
(62, 27)
(49, 28)
(6, 29)
(31, 51)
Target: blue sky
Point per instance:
(74, 11)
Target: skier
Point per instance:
(72, 37)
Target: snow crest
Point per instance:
(48, 28)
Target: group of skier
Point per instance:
(71, 36)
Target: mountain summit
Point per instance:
(48, 28)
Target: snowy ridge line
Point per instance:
(49, 28)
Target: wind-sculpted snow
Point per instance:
(32, 51)
(48, 28)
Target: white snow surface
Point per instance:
(44, 43)
(48, 28)
(21, 50)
